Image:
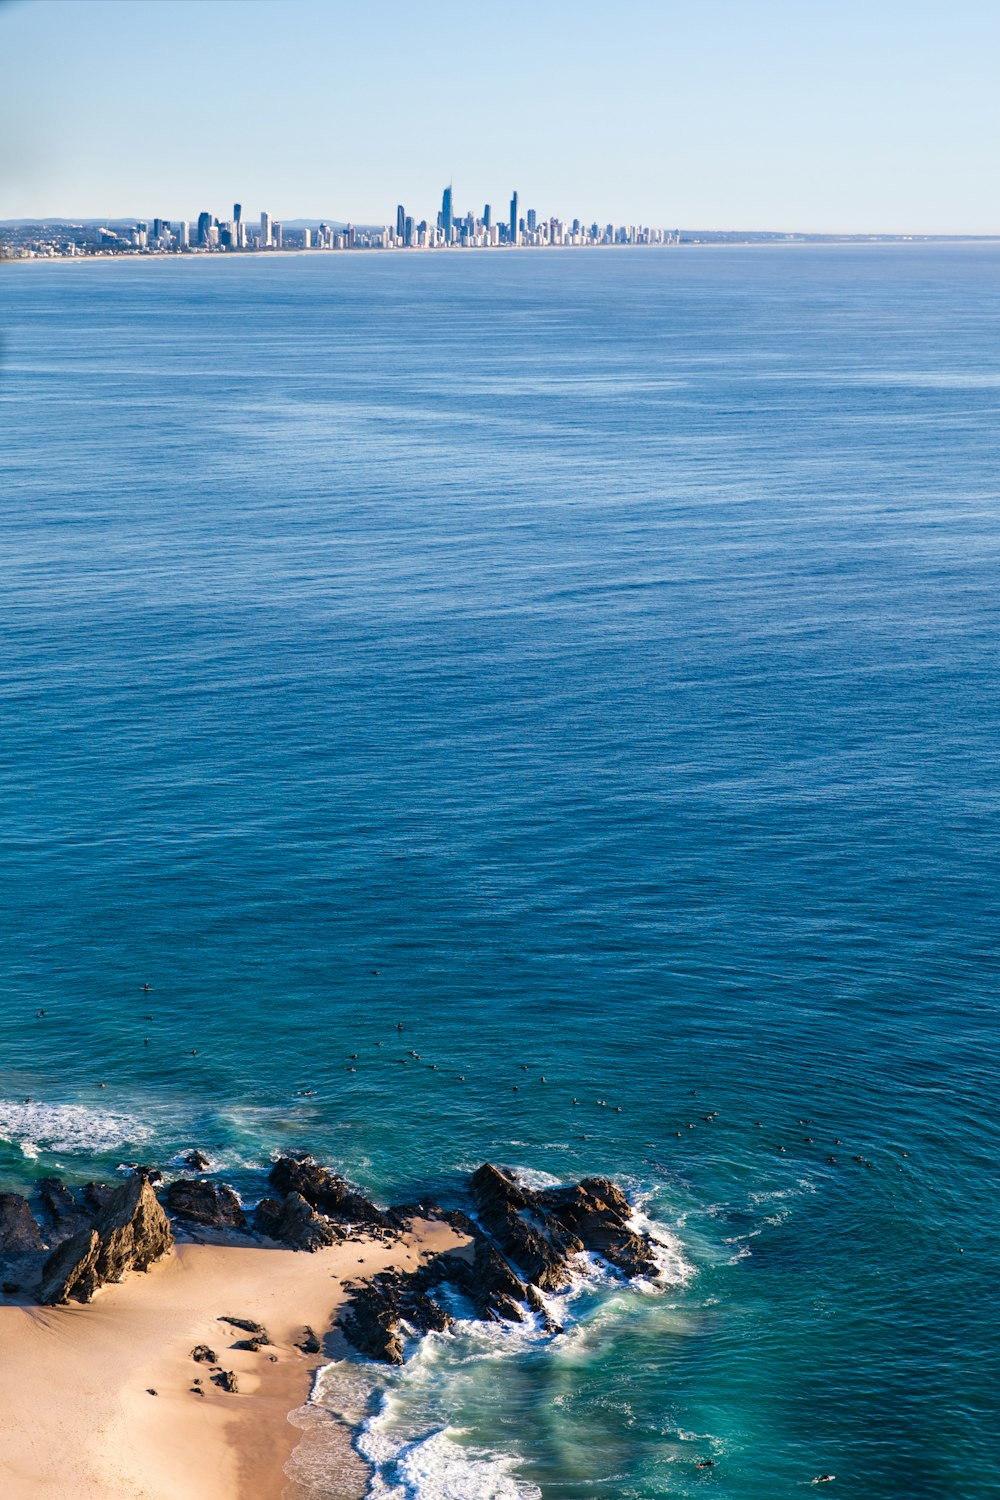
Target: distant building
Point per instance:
(487, 217)
(183, 234)
(237, 213)
(204, 225)
(531, 221)
(447, 215)
(307, 239)
(400, 222)
(265, 231)
(276, 239)
(515, 228)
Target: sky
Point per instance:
(812, 115)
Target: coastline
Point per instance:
(101, 1435)
(847, 243)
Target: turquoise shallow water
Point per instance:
(603, 649)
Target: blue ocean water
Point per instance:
(590, 662)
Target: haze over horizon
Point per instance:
(755, 118)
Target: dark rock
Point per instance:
(130, 1233)
(61, 1214)
(309, 1343)
(598, 1213)
(19, 1231)
(247, 1325)
(197, 1161)
(327, 1192)
(295, 1222)
(494, 1290)
(253, 1346)
(212, 1203)
(531, 1237)
(95, 1195)
(203, 1355)
(371, 1323)
(227, 1380)
(148, 1174)
(373, 1318)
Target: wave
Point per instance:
(439, 1468)
(72, 1128)
(427, 1430)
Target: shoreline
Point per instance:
(101, 1435)
(875, 243)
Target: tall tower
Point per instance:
(515, 232)
(265, 231)
(487, 217)
(447, 215)
(204, 225)
(400, 221)
(237, 212)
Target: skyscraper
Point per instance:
(265, 231)
(183, 234)
(447, 216)
(237, 212)
(532, 221)
(204, 225)
(400, 222)
(515, 228)
(487, 217)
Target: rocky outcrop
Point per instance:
(197, 1161)
(130, 1233)
(326, 1192)
(60, 1211)
(95, 1195)
(309, 1343)
(246, 1325)
(522, 1246)
(19, 1231)
(598, 1213)
(200, 1202)
(531, 1237)
(293, 1221)
(496, 1292)
(203, 1355)
(374, 1318)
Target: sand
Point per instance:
(77, 1421)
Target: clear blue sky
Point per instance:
(783, 114)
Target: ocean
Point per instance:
(589, 662)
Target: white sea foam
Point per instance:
(416, 1425)
(70, 1128)
(437, 1467)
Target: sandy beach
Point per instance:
(78, 1422)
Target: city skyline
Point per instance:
(402, 231)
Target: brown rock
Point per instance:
(130, 1233)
